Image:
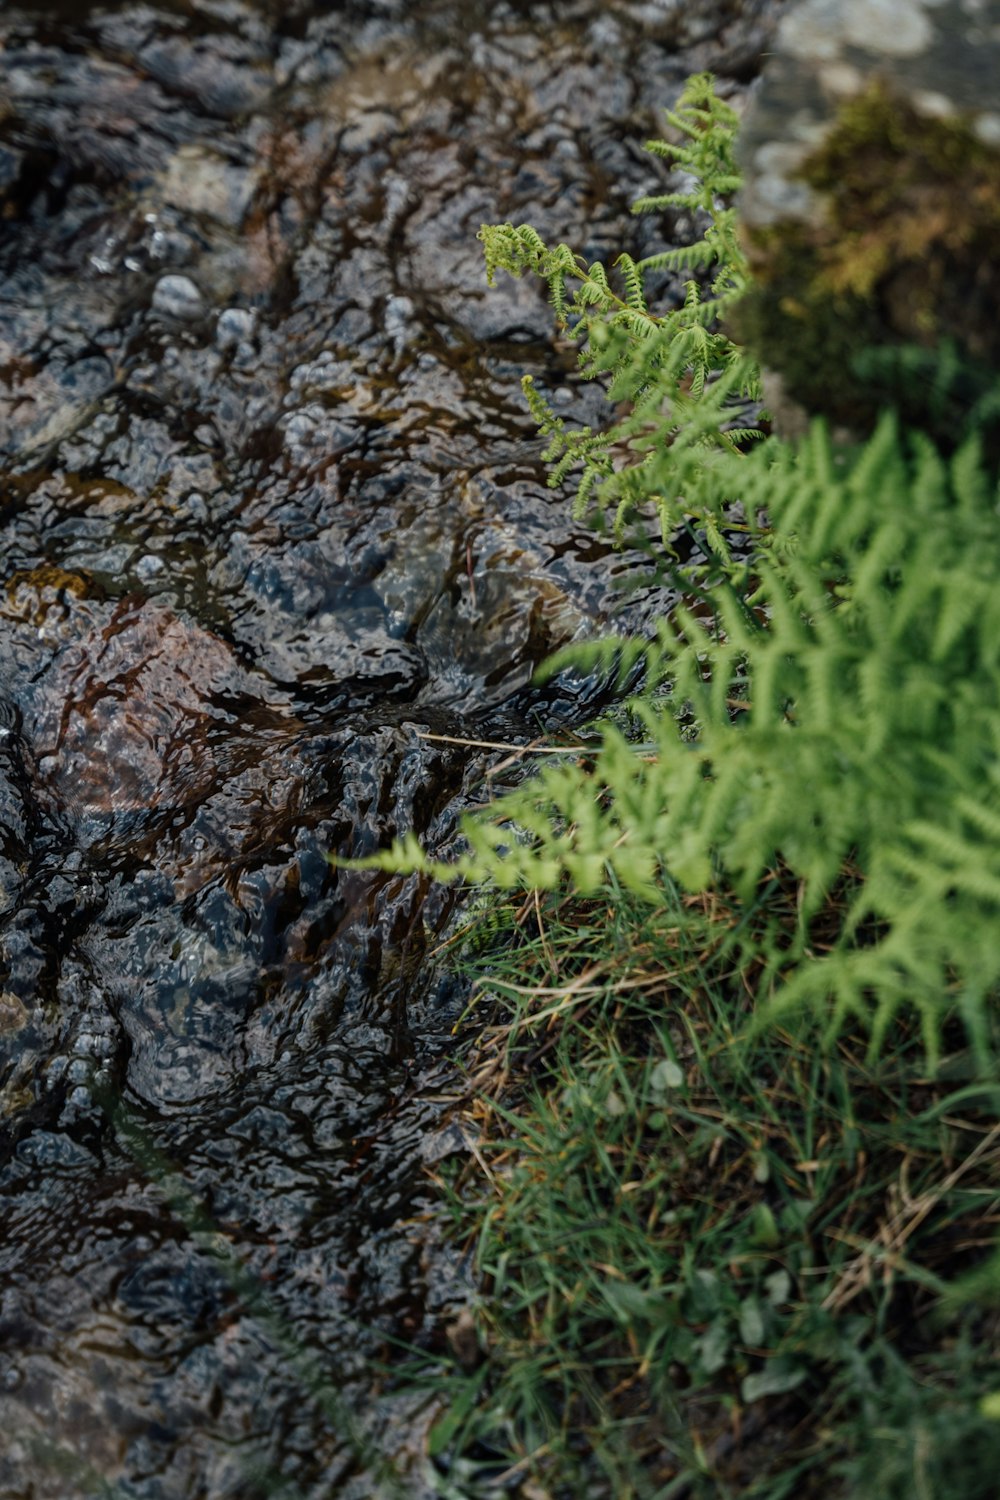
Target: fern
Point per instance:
(828, 708)
(870, 739)
(675, 368)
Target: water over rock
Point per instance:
(276, 535)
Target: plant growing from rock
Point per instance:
(685, 384)
(693, 1235)
(825, 709)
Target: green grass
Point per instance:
(719, 1257)
(713, 1262)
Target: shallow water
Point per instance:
(272, 512)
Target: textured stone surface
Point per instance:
(273, 517)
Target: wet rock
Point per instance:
(203, 182)
(128, 719)
(48, 401)
(181, 1051)
(223, 75)
(486, 643)
(235, 326)
(253, 558)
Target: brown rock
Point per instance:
(130, 717)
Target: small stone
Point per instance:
(894, 28)
(934, 105)
(841, 78)
(817, 30)
(196, 507)
(149, 566)
(177, 297)
(235, 326)
(987, 129)
(813, 31)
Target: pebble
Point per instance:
(149, 566)
(235, 326)
(177, 297)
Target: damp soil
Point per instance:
(272, 515)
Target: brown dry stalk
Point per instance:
(896, 1230)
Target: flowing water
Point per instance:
(272, 514)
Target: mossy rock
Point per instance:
(871, 212)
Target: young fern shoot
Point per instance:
(674, 369)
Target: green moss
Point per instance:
(813, 338)
(905, 254)
(909, 194)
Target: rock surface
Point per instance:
(273, 513)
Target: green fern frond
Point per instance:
(833, 759)
(634, 294)
(663, 364)
(544, 416)
(825, 700)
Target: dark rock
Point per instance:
(273, 514)
(126, 718)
